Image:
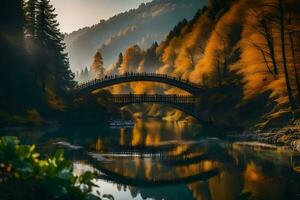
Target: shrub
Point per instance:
(23, 175)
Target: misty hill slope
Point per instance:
(216, 49)
(148, 23)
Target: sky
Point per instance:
(75, 14)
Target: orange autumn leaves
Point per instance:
(211, 40)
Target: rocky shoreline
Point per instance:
(288, 136)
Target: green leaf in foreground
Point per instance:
(25, 176)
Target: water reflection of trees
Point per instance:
(150, 156)
(155, 154)
(239, 169)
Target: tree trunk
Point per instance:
(294, 61)
(270, 42)
(265, 59)
(272, 54)
(219, 73)
(283, 51)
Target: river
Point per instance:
(169, 160)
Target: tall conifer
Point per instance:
(56, 73)
(30, 12)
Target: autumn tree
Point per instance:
(291, 20)
(132, 59)
(294, 62)
(218, 67)
(97, 66)
(151, 59)
(225, 55)
(264, 25)
(270, 21)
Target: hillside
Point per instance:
(224, 48)
(148, 23)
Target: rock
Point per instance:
(278, 119)
(295, 145)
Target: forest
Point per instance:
(35, 87)
(143, 25)
(245, 53)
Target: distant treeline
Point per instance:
(148, 23)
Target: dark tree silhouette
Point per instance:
(53, 60)
(16, 87)
(30, 12)
(119, 61)
(283, 51)
(264, 27)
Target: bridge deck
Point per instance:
(107, 81)
(141, 98)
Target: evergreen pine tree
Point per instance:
(55, 72)
(120, 61)
(30, 16)
(81, 75)
(86, 74)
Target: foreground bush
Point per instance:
(23, 175)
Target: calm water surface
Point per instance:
(166, 160)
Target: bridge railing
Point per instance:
(135, 74)
(139, 98)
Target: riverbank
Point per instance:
(288, 136)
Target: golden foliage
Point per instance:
(209, 43)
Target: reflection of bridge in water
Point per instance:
(110, 175)
(184, 103)
(119, 179)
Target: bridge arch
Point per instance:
(180, 108)
(113, 177)
(184, 103)
(107, 81)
